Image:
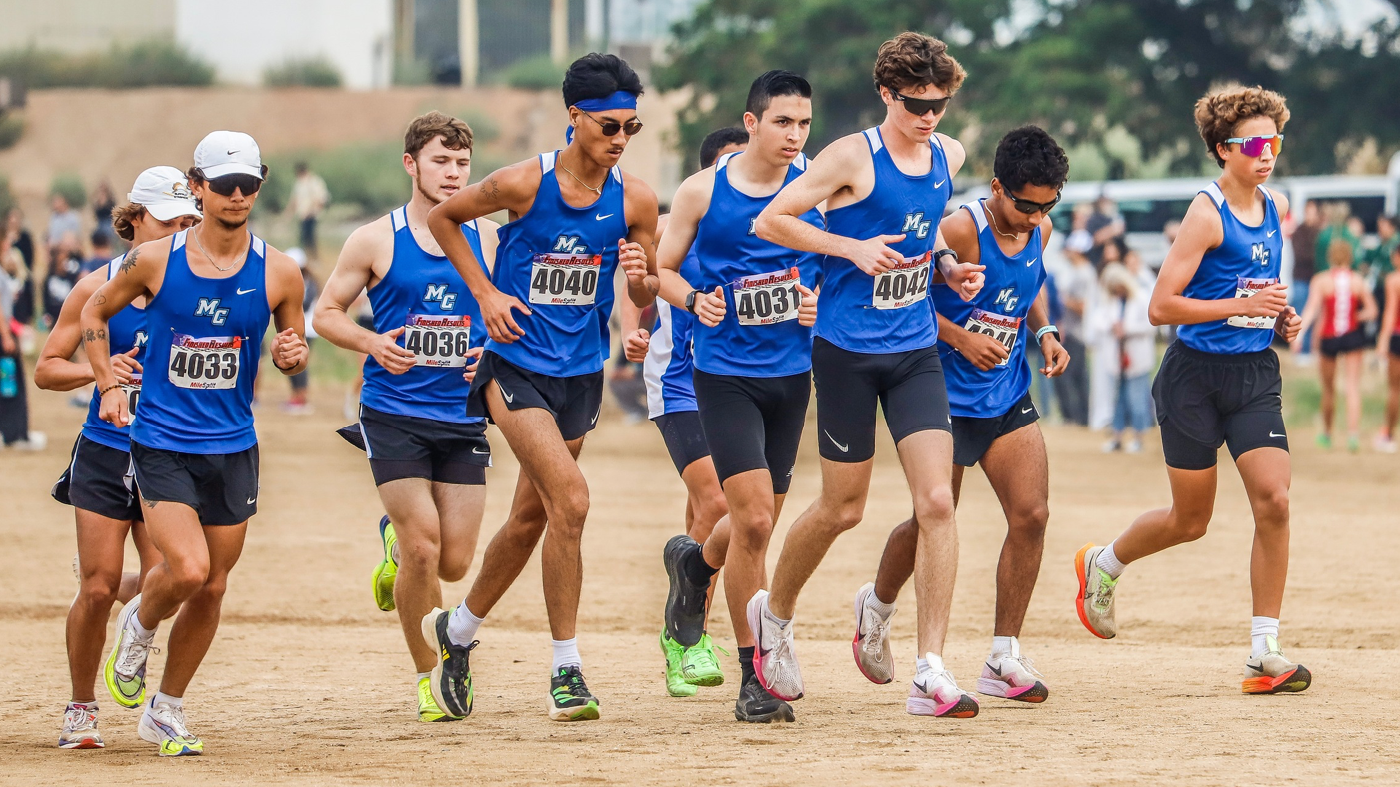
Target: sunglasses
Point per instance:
(225, 186)
(1254, 146)
(611, 127)
(1029, 207)
(922, 106)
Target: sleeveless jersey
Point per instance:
(884, 314)
(205, 342)
(1246, 261)
(426, 296)
(126, 329)
(668, 370)
(559, 261)
(999, 311)
(760, 335)
(1339, 310)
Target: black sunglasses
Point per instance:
(611, 127)
(1028, 207)
(922, 106)
(224, 186)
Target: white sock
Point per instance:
(1005, 646)
(566, 653)
(768, 613)
(929, 662)
(462, 625)
(176, 702)
(874, 604)
(421, 676)
(141, 631)
(1108, 561)
(1261, 627)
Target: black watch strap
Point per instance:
(690, 301)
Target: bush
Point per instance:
(11, 129)
(147, 64)
(71, 187)
(535, 73)
(305, 72)
(369, 176)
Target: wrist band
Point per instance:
(282, 368)
(1040, 334)
(103, 392)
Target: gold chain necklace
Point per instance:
(598, 191)
(210, 257)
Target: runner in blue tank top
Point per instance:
(1219, 383)
(983, 344)
(98, 481)
(575, 218)
(210, 292)
(428, 457)
(885, 190)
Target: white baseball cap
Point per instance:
(164, 193)
(228, 153)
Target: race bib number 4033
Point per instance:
(767, 298)
(1245, 288)
(205, 364)
(903, 285)
(438, 340)
(565, 279)
(1003, 328)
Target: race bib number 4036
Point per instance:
(1003, 328)
(767, 298)
(205, 364)
(565, 279)
(1245, 288)
(904, 284)
(438, 340)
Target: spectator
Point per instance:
(1143, 275)
(309, 198)
(1169, 231)
(15, 236)
(103, 203)
(65, 267)
(14, 398)
(1336, 215)
(1105, 225)
(1304, 241)
(101, 250)
(1379, 260)
(1042, 387)
(1124, 353)
(298, 404)
(1076, 286)
(63, 222)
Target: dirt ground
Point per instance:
(308, 683)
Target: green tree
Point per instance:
(303, 72)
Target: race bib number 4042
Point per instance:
(903, 285)
(438, 340)
(205, 364)
(1003, 328)
(767, 298)
(565, 279)
(1245, 288)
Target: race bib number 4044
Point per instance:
(1001, 327)
(438, 340)
(1245, 288)
(565, 279)
(903, 285)
(767, 298)
(205, 364)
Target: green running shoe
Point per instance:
(388, 569)
(569, 697)
(676, 684)
(164, 725)
(1324, 441)
(125, 670)
(428, 709)
(700, 665)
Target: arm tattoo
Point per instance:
(101, 299)
(129, 261)
(89, 335)
(491, 189)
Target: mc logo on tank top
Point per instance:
(568, 244)
(209, 307)
(140, 340)
(1007, 301)
(1258, 252)
(914, 222)
(437, 293)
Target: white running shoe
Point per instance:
(1383, 445)
(937, 694)
(125, 669)
(871, 644)
(164, 725)
(1094, 604)
(80, 727)
(1012, 676)
(774, 657)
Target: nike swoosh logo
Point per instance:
(1032, 262)
(844, 448)
(595, 415)
(921, 687)
(231, 152)
(1271, 234)
(245, 292)
(600, 217)
(995, 670)
(1023, 412)
(252, 500)
(1271, 434)
(475, 451)
(508, 397)
(940, 183)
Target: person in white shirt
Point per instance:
(1124, 352)
(309, 199)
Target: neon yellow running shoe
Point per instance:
(388, 569)
(675, 681)
(164, 725)
(428, 709)
(125, 669)
(700, 665)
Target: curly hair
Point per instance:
(1030, 156)
(124, 218)
(911, 60)
(1222, 110)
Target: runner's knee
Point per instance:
(100, 588)
(1028, 521)
(1271, 507)
(933, 508)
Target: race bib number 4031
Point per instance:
(904, 284)
(565, 279)
(205, 364)
(438, 340)
(767, 298)
(1003, 328)
(1245, 288)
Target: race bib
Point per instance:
(565, 279)
(767, 298)
(1001, 327)
(1245, 288)
(132, 389)
(904, 284)
(438, 340)
(205, 364)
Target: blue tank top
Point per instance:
(883, 314)
(559, 261)
(126, 329)
(760, 335)
(1247, 259)
(202, 357)
(669, 366)
(999, 311)
(424, 294)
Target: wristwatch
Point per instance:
(690, 301)
(945, 253)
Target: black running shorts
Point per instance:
(1351, 341)
(684, 436)
(99, 479)
(573, 401)
(973, 436)
(1206, 399)
(753, 423)
(221, 488)
(401, 446)
(908, 386)
(1395, 345)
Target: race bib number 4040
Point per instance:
(565, 279)
(1001, 327)
(903, 285)
(438, 340)
(767, 298)
(1245, 288)
(205, 364)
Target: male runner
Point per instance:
(982, 344)
(575, 217)
(753, 363)
(428, 457)
(98, 480)
(885, 189)
(210, 293)
(1219, 381)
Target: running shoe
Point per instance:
(774, 655)
(756, 705)
(428, 709)
(685, 605)
(451, 681)
(675, 679)
(700, 665)
(1384, 445)
(80, 727)
(871, 644)
(1353, 444)
(164, 725)
(1274, 674)
(388, 568)
(1095, 601)
(125, 670)
(1012, 676)
(1324, 441)
(937, 694)
(569, 697)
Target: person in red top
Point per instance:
(1388, 338)
(1340, 297)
